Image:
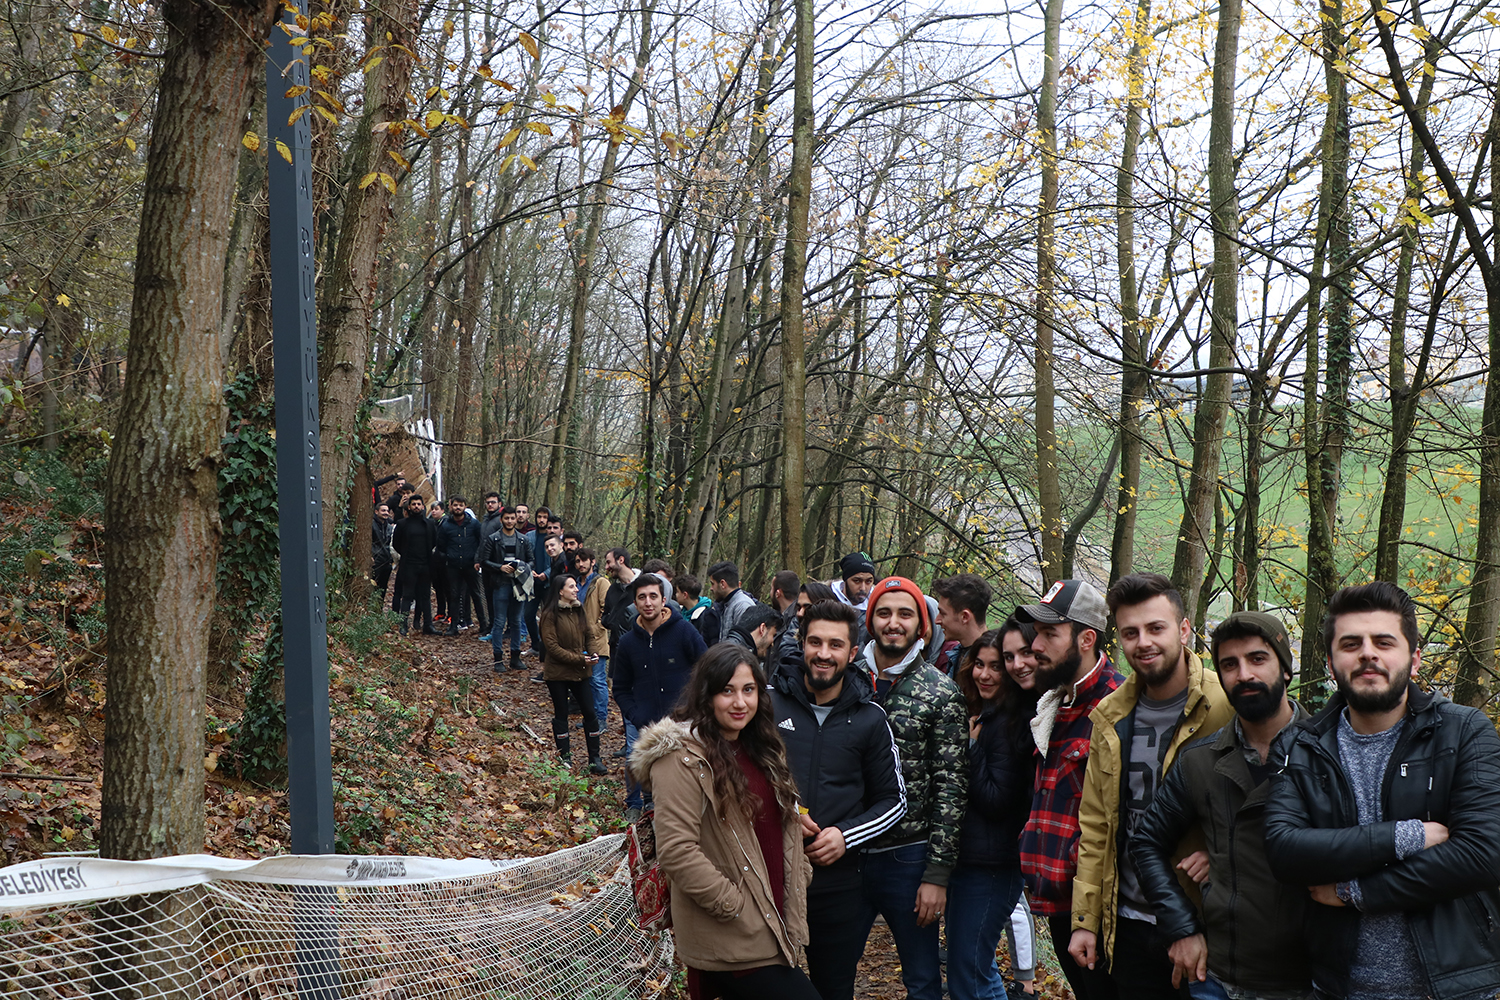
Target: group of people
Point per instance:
(1186, 829)
(860, 749)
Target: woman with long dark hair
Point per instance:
(568, 665)
(987, 882)
(728, 834)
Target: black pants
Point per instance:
(1140, 968)
(835, 942)
(464, 590)
(439, 570)
(413, 583)
(381, 577)
(783, 982)
(560, 690)
(1086, 983)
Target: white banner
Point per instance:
(78, 880)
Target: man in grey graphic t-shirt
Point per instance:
(1168, 701)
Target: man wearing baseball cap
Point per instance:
(1220, 786)
(1075, 674)
(906, 868)
(1168, 701)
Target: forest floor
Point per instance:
(433, 753)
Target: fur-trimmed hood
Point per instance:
(667, 736)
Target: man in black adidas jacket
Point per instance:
(841, 752)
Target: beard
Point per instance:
(1374, 702)
(1065, 671)
(896, 652)
(1257, 702)
(1165, 666)
(815, 683)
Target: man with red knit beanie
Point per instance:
(906, 869)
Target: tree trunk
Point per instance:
(793, 274)
(562, 466)
(1048, 489)
(348, 289)
(1132, 373)
(1318, 420)
(1208, 421)
(1404, 395)
(162, 501)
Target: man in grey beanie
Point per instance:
(1220, 785)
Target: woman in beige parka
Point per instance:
(728, 833)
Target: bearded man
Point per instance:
(1220, 786)
(1168, 701)
(842, 754)
(1386, 807)
(1075, 675)
(906, 869)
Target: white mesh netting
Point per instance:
(330, 928)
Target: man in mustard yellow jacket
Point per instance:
(1168, 701)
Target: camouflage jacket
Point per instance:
(931, 725)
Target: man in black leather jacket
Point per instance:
(1387, 808)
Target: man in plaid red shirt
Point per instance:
(1071, 620)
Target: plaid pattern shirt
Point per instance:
(1049, 842)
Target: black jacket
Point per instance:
(458, 541)
(1445, 769)
(381, 533)
(491, 558)
(1252, 922)
(1002, 771)
(848, 770)
(415, 538)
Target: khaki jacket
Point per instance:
(724, 916)
(1101, 842)
(593, 616)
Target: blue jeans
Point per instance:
(1209, 989)
(980, 901)
(635, 798)
(507, 609)
(891, 879)
(600, 686)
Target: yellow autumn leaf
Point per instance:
(297, 91)
(526, 160)
(78, 40)
(108, 34)
(327, 114)
(540, 128)
(403, 161)
(505, 163)
(368, 179)
(291, 119)
(529, 44)
(448, 28)
(510, 137)
(251, 141)
(63, 300)
(1386, 16)
(1420, 33)
(433, 119)
(389, 182)
(130, 144)
(286, 154)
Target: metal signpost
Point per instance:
(304, 607)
